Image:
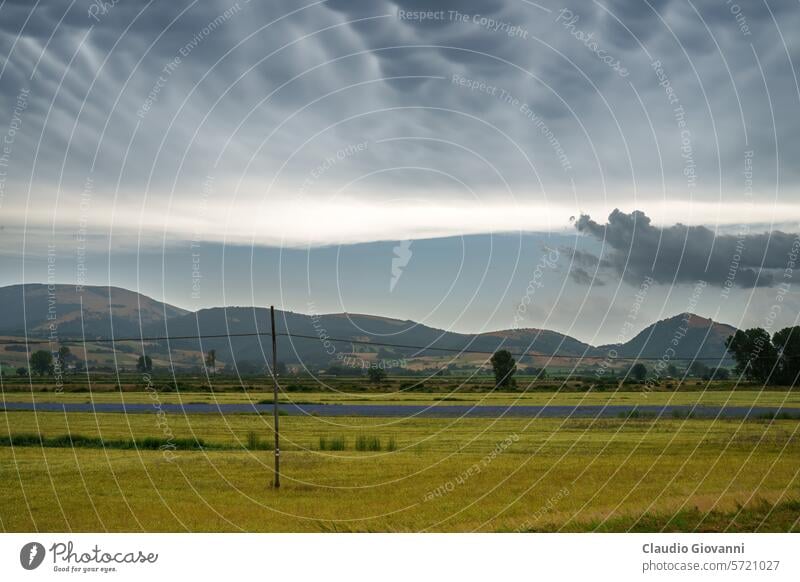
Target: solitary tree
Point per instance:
(376, 375)
(41, 362)
(699, 370)
(144, 364)
(504, 367)
(64, 353)
(639, 372)
(211, 361)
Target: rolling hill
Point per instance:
(687, 334)
(97, 312)
(91, 312)
(313, 336)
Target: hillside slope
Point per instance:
(112, 311)
(691, 336)
(34, 307)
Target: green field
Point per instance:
(428, 474)
(706, 397)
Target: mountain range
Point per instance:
(39, 311)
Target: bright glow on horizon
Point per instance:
(352, 220)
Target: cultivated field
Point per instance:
(138, 472)
(552, 398)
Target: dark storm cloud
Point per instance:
(582, 262)
(685, 254)
(584, 259)
(84, 99)
(582, 277)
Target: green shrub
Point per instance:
(331, 443)
(368, 443)
(253, 441)
(67, 441)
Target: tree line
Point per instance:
(764, 359)
(759, 357)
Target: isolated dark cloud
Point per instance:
(636, 249)
(582, 277)
(584, 259)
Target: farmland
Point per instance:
(212, 472)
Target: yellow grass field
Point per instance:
(552, 398)
(429, 474)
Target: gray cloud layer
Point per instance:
(149, 100)
(635, 249)
(97, 72)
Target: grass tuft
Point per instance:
(254, 441)
(368, 443)
(331, 443)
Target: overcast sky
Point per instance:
(658, 139)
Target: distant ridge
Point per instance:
(117, 312)
(689, 335)
(34, 306)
